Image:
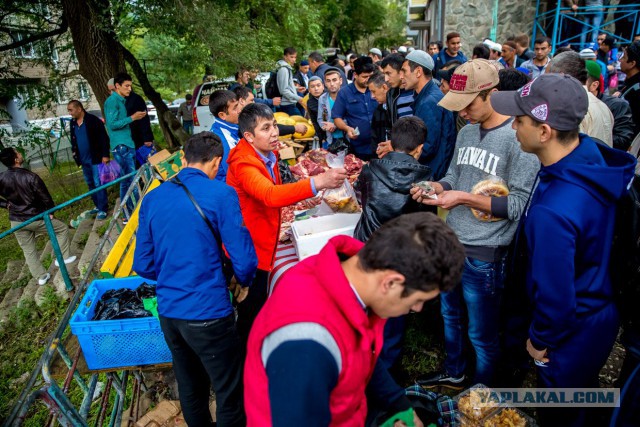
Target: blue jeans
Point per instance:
(187, 125)
(595, 19)
(92, 178)
(478, 297)
(291, 110)
(125, 156)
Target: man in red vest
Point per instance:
(313, 348)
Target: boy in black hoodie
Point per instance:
(384, 183)
(384, 186)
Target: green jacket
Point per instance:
(117, 121)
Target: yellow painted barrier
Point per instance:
(119, 262)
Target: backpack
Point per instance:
(271, 87)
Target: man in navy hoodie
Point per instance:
(565, 237)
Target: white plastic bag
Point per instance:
(342, 199)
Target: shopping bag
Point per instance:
(342, 199)
(108, 172)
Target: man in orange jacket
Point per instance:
(253, 172)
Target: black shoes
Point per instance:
(441, 379)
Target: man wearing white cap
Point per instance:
(486, 189)
(441, 136)
(375, 54)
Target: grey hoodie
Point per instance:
(496, 156)
(285, 83)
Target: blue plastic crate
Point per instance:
(117, 343)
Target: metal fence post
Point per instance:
(58, 253)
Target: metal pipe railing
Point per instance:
(52, 394)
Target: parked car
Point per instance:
(202, 117)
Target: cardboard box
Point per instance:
(297, 148)
(163, 415)
(310, 235)
(167, 164)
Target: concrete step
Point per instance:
(10, 301)
(14, 267)
(90, 249)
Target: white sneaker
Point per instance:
(66, 261)
(42, 280)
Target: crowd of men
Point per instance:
(526, 152)
(531, 155)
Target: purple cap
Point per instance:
(558, 100)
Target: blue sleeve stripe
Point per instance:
(298, 332)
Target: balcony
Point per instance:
(418, 6)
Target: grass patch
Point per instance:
(22, 341)
(83, 239)
(46, 262)
(103, 228)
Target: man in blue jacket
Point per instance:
(353, 110)
(194, 307)
(118, 123)
(441, 136)
(565, 237)
(450, 52)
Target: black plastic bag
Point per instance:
(124, 303)
(339, 144)
(285, 173)
(146, 291)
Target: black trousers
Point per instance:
(207, 353)
(250, 307)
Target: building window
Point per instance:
(26, 93)
(83, 90)
(24, 51)
(60, 93)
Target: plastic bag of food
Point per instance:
(493, 187)
(342, 199)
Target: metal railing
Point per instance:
(554, 23)
(52, 394)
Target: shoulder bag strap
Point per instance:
(215, 233)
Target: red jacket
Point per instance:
(317, 290)
(261, 198)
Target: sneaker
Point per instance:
(442, 379)
(42, 280)
(101, 216)
(124, 220)
(93, 212)
(66, 260)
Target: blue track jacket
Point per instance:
(175, 247)
(569, 230)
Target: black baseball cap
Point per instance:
(558, 100)
(446, 74)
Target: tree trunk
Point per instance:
(95, 43)
(101, 56)
(166, 120)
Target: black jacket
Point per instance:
(312, 106)
(24, 194)
(380, 125)
(140, 129)
(98, 139)
(623, 129)
(384, 186)
(631, 92)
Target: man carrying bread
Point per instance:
(485, 188)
